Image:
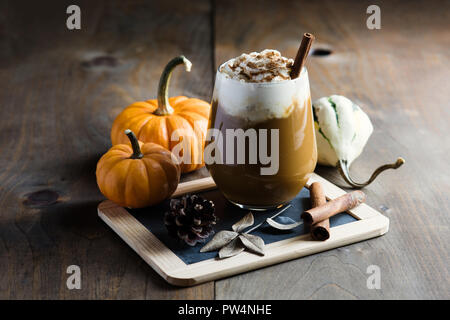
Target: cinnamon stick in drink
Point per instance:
(320, 230)
(343, 203)
(302, 54)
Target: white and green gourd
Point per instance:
(342, 131)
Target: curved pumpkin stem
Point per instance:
(137, 154)
(345, 173)
(164, 107)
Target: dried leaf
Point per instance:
(252, 243)
(281, 226)
(231, 249)
(245, 222)
(221, 239)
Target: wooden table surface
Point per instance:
(61, 89)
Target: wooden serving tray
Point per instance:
(368, 223)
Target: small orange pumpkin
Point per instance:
(185, 119)
(138, 176)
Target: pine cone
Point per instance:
(190, 219)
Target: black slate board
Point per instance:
(228, 214)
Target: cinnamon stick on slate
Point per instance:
(320, 230)
(343, 203)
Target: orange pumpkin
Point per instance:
(138, 176)
(168, 122)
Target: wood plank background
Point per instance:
(61, 89)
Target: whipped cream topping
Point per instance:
(265, 66)
(257, 102)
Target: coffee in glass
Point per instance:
(261, 131)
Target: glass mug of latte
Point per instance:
(260, 142)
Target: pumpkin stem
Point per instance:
(345, 173)
(164, 107)
(137, 154)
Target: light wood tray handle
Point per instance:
(194, 186)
